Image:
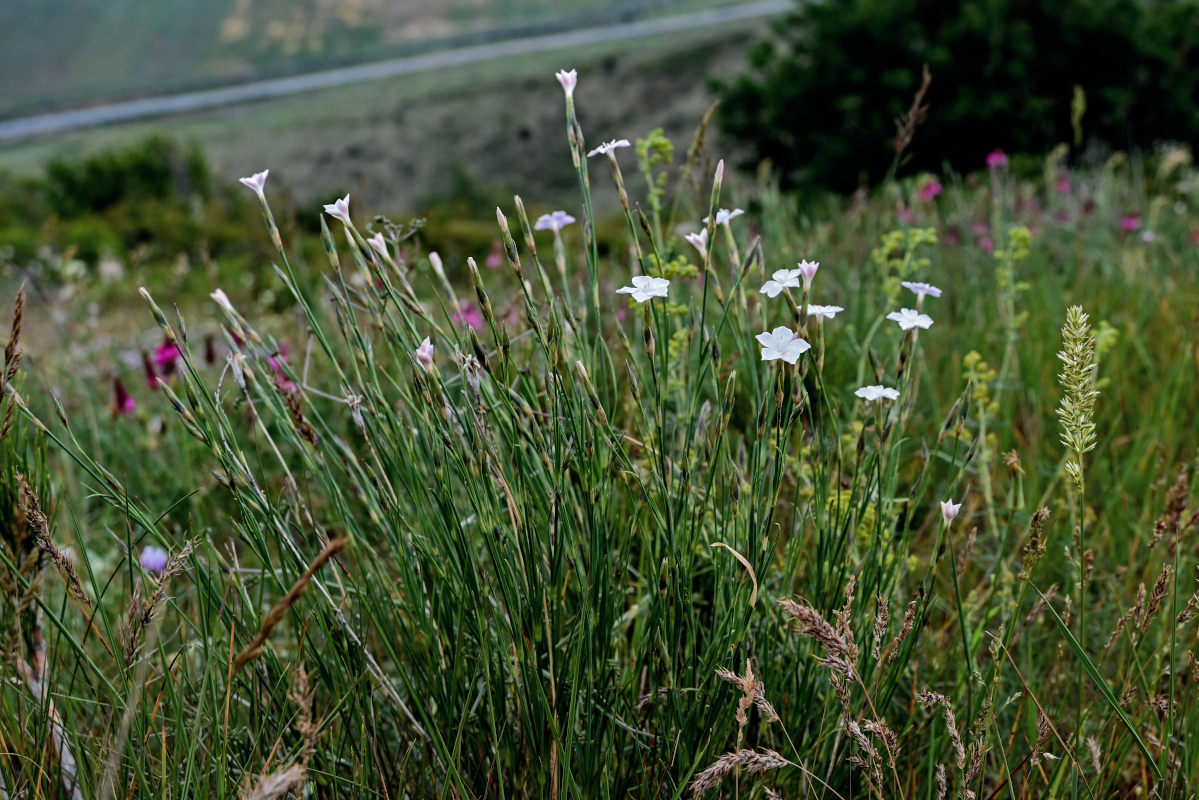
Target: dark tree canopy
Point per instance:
(821, 97)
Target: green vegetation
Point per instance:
(594, 547)
(822, 97)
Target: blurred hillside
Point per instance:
(57, 53)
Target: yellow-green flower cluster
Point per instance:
(897, 260)
(981, 376)
(677, 268)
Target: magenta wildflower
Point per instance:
(470, 315)
(930, 190)
(1062, 186)
(1131, 222)
(996, 159)
(166, 357)
(123, 403)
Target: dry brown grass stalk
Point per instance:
(275, 615)
(1176, 505)
(810, 623)
(12, 361)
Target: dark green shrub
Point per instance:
(821, 98)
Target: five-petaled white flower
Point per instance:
(949, 510)
(782, 343)
(555, 221)
(922, 289)
(724, 216)
(644, 287)
(568, 80)
(424, 353)
(608, 147)
(910, 318)
(699, 240)
(808, 270)
(256, 182)
(339, 209)
(781, 279)
(828, 312)
(872, 393)
(378, 243)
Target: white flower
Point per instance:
(555, 221)
(424, 353)
(782, 343)
(922, 289)
(237, 362)
(256, 182)
(644, 287)
(222, 300)
(568, 80)
(828, 312)
(700, 240)
(909, 318)
(378, 243)
(340, 209)
(808, 270)
(872, 393)
(724, 216)
(949, 510)
(608, 147)
(781, 279)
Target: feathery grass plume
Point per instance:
(1043, 733)
(750, 760)
(1157, 596)
(909, 621)
(41, 528)
(1170, 521)
(882, 618)
(1189, 611)
(1077, 378)
(942, 783)
(930, 699)
(12, 362)
(1131, 616)
(1096, 756)
(1034, 549)
(810, 623)
(964, 554)
(143, 612)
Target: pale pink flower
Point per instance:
(645, 287)
(909, 318)
(470, 315)
(828, 312)
(921, 289)
(724, 216)
(378, 244)
(222, 300)
(699, 240)
(256, 182)
(554, 221)
(807, 269)
(340, 209)
(1062, 186)
(949, 510)
(782, 343)
(608, 147)
(568, 80)
(424, 353)
(876, 392)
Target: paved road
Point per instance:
(390, 68)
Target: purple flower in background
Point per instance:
(495, 256)
(1062, 186)
(469, 314)
(996, 159)
(930, 190)
(986, 245)
(154, 560)
(554, 221)
(1130, 223)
